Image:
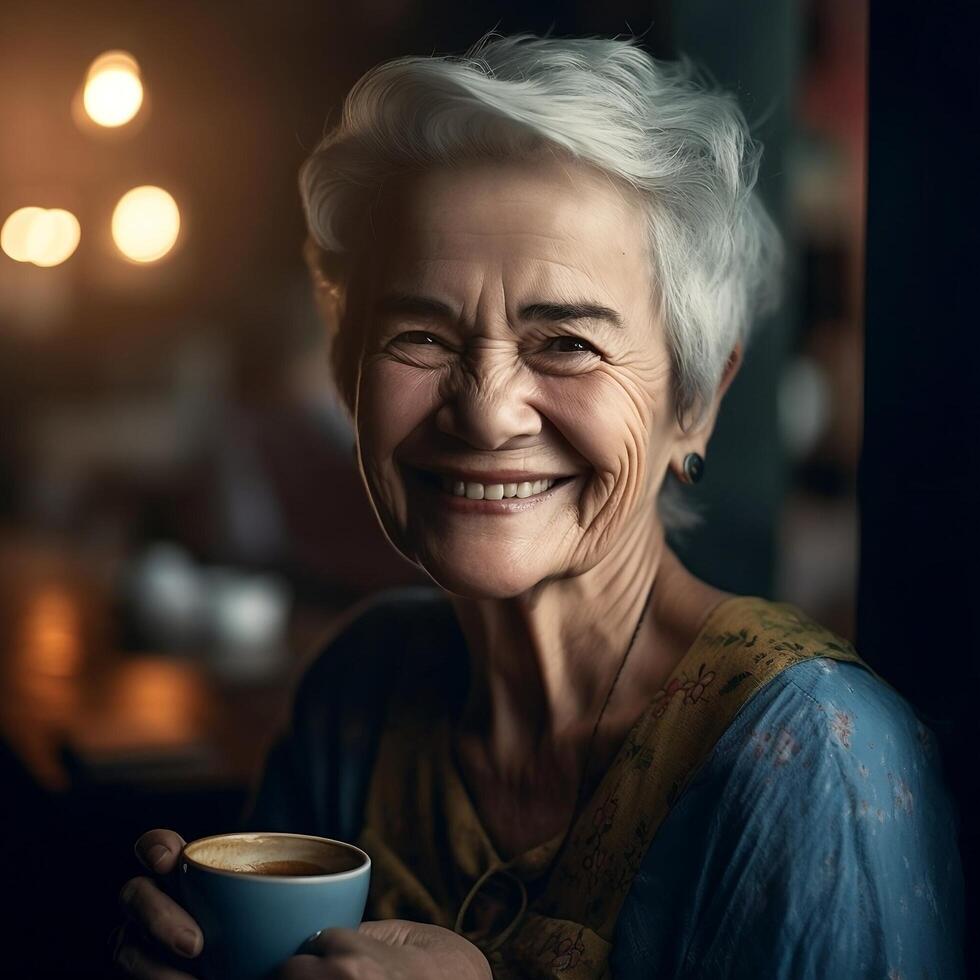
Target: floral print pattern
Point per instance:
(692, 688)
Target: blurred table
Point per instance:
(74, 707)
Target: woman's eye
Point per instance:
(418, 337)
(571, 345)
(421, 348)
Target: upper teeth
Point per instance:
(494, 491)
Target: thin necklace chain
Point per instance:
(579, 800)
(503, 936)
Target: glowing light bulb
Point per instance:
(145, 224)
(114, 59)
(16, 232)
(113, 91)
(53, 237)
(43, 236)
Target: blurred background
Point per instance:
(180, 522)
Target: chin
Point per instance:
(473, 580)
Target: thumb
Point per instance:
(159, 850)
(392, 932)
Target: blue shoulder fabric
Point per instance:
(817, 841)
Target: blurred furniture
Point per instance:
(74, 707)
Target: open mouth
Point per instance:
(470, 490)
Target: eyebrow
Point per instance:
(410, 304)
(562, 312)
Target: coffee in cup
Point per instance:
(286, 868)
(258, 897)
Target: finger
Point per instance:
(332, 942)
(159, 850)
(133, 960)
(161, 917)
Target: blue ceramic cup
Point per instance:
(259, 897)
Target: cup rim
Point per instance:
(187, 859)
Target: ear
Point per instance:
(696, 440)
(326, 291)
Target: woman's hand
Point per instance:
(159, 936)
(389, 950)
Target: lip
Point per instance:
(427, 482)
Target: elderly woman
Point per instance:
(541, 263)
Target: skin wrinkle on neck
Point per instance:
(527, 737)
(541, 665)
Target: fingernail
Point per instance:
(156, 855)
(188, 943)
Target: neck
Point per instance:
(541, 663)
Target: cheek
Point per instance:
(604, 420)
(610, 421)
(394, 399)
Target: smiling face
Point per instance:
(512, 339)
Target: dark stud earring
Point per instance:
(693, 467)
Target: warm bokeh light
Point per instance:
(16, 232)
(51, 632)
(115, 59)
(155, 701)
(145, 224)
(113, 90)
(54, 237)
(44, 236)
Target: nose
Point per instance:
(488, 407)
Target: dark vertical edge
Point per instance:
(918, 580)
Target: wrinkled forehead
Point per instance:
(545, 219)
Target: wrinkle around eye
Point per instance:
(593, 351)
(415, 354)
(568, 363)
(405, 334)
(427, 350)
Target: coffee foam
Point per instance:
(243, 853)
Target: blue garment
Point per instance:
(816, 841)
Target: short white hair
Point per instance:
(657, 126)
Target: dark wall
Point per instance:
(918, 610)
